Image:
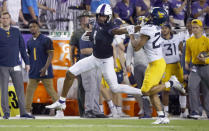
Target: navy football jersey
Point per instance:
(102, 38)
(38, 55)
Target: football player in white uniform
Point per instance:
(150, 41)
(171, 44)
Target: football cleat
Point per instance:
(57, 105)
(161, 120)
(177, 85)
(114, 112)
(59, 114)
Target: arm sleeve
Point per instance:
(22, 49)
(129, 54)
(187, 53)
(114, 26)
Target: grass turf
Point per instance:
(101, 125)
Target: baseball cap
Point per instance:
(197, 21)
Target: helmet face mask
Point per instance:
(159, 16)
(104, 10)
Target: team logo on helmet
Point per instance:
(159, 16)
(104, 9)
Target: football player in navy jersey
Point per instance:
(102, 36)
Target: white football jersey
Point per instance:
(118, 39)
(171, 49)
(152, 48)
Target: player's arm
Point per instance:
(140, 42)
(126, 30)
(114, 56)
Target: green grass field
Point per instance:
(101, 125)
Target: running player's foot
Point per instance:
(57, 105)
(59, 114)
(176, 84)
(161, 120)
(114, 112)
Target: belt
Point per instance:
(200, 65)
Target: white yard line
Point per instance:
(87, 126)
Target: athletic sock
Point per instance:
(62, 99)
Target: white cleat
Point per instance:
(57, 105)
(59, 114)
(114, 112)
(183, 115)
(161, 120)
(166, 114)
(122, 114)
(177, 85)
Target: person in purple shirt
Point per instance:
(143, 7)
(178, 12)
(165, 4)
(125, 10)
(200, 9)
(91, 5)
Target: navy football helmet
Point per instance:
(159, 16)
(106, 10)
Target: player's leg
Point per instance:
(153, 75)
(178, 72)
(81, 66)
(80, 96)
(109, 74)
(106, 93)
(139, 71)
(32, 85)
(165, 94)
